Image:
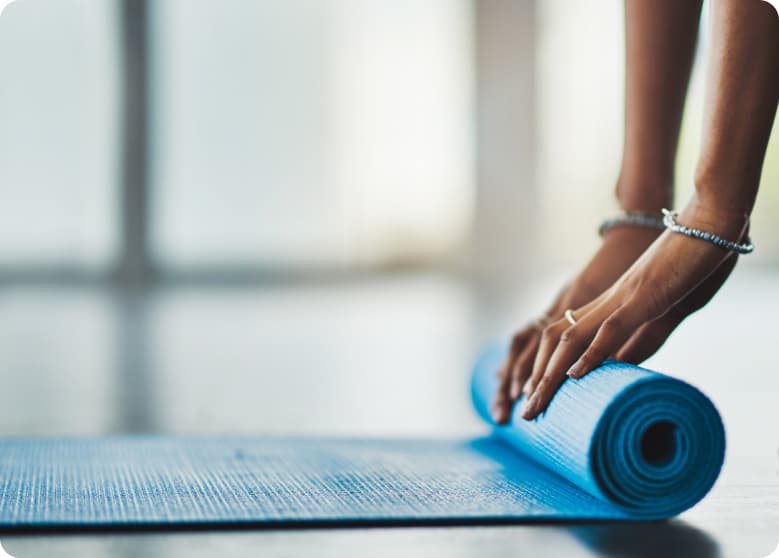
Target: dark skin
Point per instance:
(640, 286)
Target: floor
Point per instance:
(378, 357)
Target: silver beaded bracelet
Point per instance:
(632, 219)
(669, 221)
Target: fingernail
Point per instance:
(528, 410)
(528, 389)
(576, 371)
(497, 415)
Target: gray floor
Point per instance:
(377, 357)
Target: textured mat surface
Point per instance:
(622, 443)
(152, 481)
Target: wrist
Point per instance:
(646, 195)
(717, 195)
(630, 236)
(710, 213)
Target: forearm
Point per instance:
(742, 95)
(660, 39)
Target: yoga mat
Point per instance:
(623, 443)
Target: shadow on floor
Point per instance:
(648, 540)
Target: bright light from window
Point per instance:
(303, 132)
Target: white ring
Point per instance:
(569, 316)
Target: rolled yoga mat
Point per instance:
(647, 443)
(622, 443)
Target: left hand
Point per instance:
(676, 276)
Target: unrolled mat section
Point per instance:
(621, 443)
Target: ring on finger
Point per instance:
(569, 317)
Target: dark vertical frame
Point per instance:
(134, 265)
(135, 385)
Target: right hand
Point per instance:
(621, 246)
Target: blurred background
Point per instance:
(306, 216)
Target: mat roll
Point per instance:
(649, 444)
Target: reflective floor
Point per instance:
(378, 357)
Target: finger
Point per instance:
(542, 395)
(501, 408)
(611, 335)
(523, 366)
(546, 346)
(499, 413)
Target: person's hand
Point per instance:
(674, 277)
(621, 246)
(650, 337)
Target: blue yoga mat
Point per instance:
(622, 443)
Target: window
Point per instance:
(58, 134)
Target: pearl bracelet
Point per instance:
(669, 221)
(632, 219)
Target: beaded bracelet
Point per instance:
(632, 219)
(669, 220)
